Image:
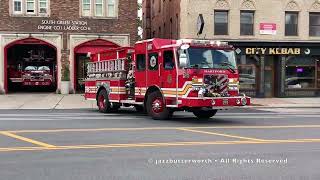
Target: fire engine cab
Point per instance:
(161, 76)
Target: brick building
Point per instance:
(62, 32)
(277, 41)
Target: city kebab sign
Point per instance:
(276, 51)
(63, 25)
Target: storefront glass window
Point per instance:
(247, 77)
(300, 73)
(247, 72)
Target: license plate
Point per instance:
(225, 102)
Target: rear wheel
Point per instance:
(204, 114)
(104, 104)
(156, 106)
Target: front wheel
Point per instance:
(203, 114)
(156, 107)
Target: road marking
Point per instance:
(27, 139)
(168, 144)
(221, 134)
(160, 128)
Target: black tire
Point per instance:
(204, 114)
(152, 106)
(104, 104)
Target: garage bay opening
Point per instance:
(31, 67)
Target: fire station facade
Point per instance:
(59, 33)
(277, 42)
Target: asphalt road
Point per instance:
(246, 144)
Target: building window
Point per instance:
(101, 8)
(171, 36)
(43, 6)
(291, 24)
(221, 22)
(111, 8)
(164, 31)
(177, 27)
(314, 21)
(86, 7)
(246, 22)
(30, 7)
(17, 6)
(300, 73)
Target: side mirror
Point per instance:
(183, 60)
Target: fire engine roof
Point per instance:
(158, 43)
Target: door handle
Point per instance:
(159, 67)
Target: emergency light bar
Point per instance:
(201, 42)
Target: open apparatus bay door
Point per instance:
(31, 65)
(160, 76)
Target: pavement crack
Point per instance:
(55, 106)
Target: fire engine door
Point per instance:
(168, 70)
(140, 73)
(153, 69)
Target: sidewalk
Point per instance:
(44, 101)
(313, 102)
(77, 101)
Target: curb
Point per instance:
(283, 106)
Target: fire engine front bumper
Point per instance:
(216, 102)
(37, 83)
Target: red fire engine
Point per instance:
(161, 76)
(36, 70)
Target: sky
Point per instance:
(140, 16)
(140, 11)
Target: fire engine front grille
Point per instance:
(216, 83)
(36, 76)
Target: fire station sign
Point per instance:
(63, 25)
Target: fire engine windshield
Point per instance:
(37, 68)
(210, 58)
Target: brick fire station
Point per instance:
(47, 35)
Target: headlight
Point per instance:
(201, 92)
(27, 76)
(195, 88)
(233, 88)
(238, 101)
